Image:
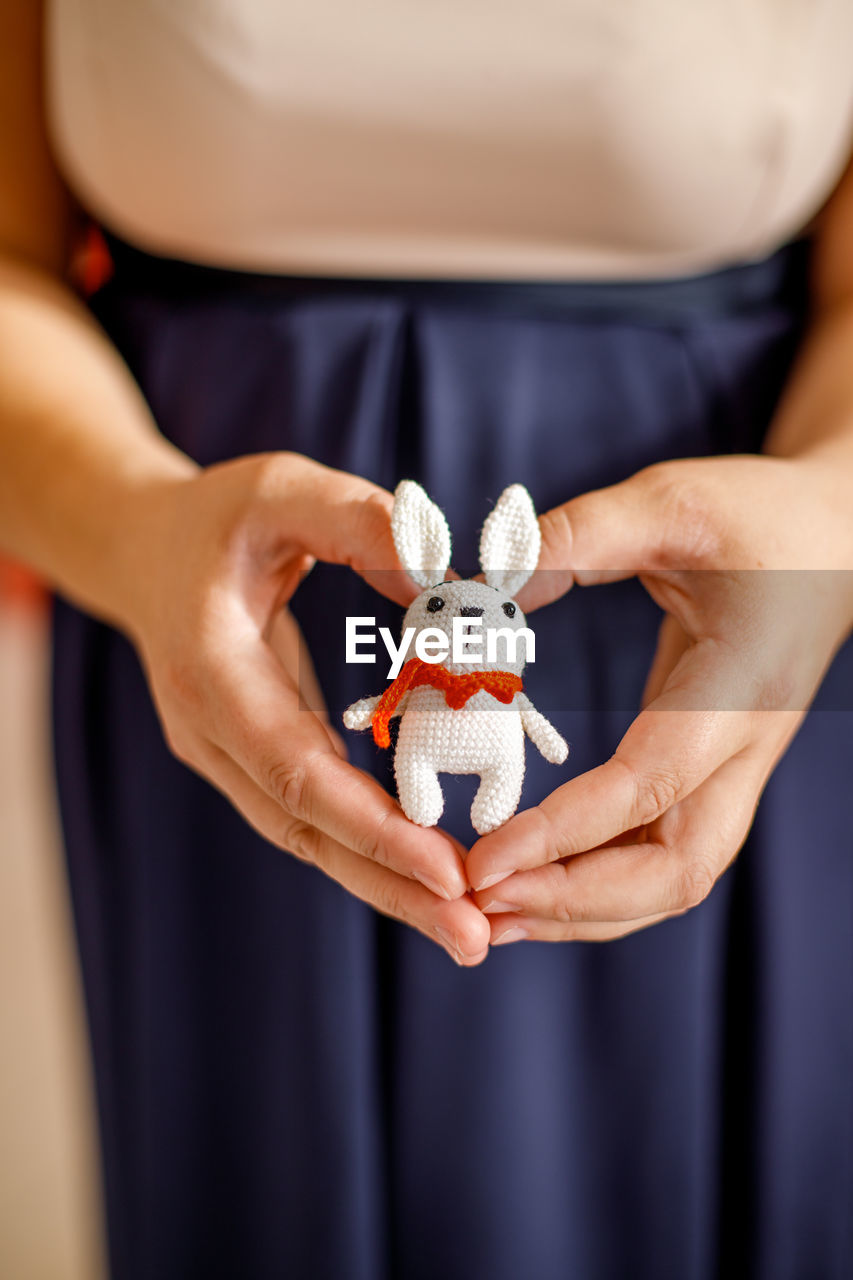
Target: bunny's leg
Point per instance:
(497, 797)
(419, 790)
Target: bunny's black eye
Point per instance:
(434, 604)
(509, 609)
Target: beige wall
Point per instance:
(50, 1225)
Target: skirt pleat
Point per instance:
(291, 1085)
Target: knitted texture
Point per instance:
(462, 715)
(510, 542)
(502, 685)
(421, 535)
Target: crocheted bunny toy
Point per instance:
(457, 715)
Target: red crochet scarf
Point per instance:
(503, 685)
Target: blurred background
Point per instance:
(50, 1219)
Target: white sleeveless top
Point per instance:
(493, 138)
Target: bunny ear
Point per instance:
(421, 535)
(510, 541)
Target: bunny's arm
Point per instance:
(541, 732)
(360, 714)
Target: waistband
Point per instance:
(779, 279)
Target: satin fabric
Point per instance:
(290, 1084)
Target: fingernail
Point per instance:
(449, 941)
(515, 934)
(495, 907)
(433, 885)
(493, 879)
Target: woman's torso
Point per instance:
(561, 138)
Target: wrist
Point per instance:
(138, 543)
(826, 474)
(97, 525)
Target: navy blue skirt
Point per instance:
(291, 1085)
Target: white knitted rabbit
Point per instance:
(456, 716)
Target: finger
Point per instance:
(256, 719)
(673, 643)
(668, 873)
(650, 521)
(672, 747)
(337, 517)
(458, 925)
(597, 537)
(507, 928)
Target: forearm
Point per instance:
(814, 420)
(83, 469)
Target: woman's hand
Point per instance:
(226, 549)
(751, 558)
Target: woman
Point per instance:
(322, 222)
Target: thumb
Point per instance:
(336, 517)
(610, 534)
